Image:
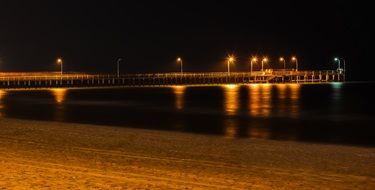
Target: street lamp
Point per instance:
(253, 60)
(283, 60)
(264, 60)
(118, 66)
(338, 60)
(230, 60)
(179, 60)
(295, 60)
(59, 61)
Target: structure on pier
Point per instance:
(55, 80)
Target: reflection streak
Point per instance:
(281, 91)
(294, 99)
(59, 94)
(2, 96)
(260, 96)
(231, 99)
(337, 86)
(282, 100)
(179, 92)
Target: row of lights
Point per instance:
(231, 59)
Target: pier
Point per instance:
(80, 80)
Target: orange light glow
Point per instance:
(281, 92)
(260, 96)
(59, 94)
(59, 61)
(179, 92)
(231, 59)
(2, 95)
(231, 99)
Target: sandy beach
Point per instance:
(46, 155)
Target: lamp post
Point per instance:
(118, 66)
(179, 60)
(230, 60)
(59, 61)
(283, 60)
(338, 60)
(264, 60)
(295, 60)
(253, 60)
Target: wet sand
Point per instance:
(46, 155)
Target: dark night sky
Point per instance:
(91, 35)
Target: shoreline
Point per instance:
(39, 154)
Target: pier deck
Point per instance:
(56, 80)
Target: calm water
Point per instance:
(326, 113)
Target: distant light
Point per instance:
(265, 59)
(179, 59)
(231, 59)
(294, 58)
(59, 61)
(282, 59)
(336, 59)
(254, 59)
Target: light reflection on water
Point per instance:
(336, 97)
(267, 111)
(179, 101)
(281, 91)
(261, 104)
(59, 95)
(179, 92)
(294, 99)
(231, 99)
(2, 96)
(337, 87)
(260, 97)
(282, 98)
(288, 100)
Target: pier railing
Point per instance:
(47, 80)
(55, 76)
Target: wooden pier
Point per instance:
(55, 80)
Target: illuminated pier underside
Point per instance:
(53, 80)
